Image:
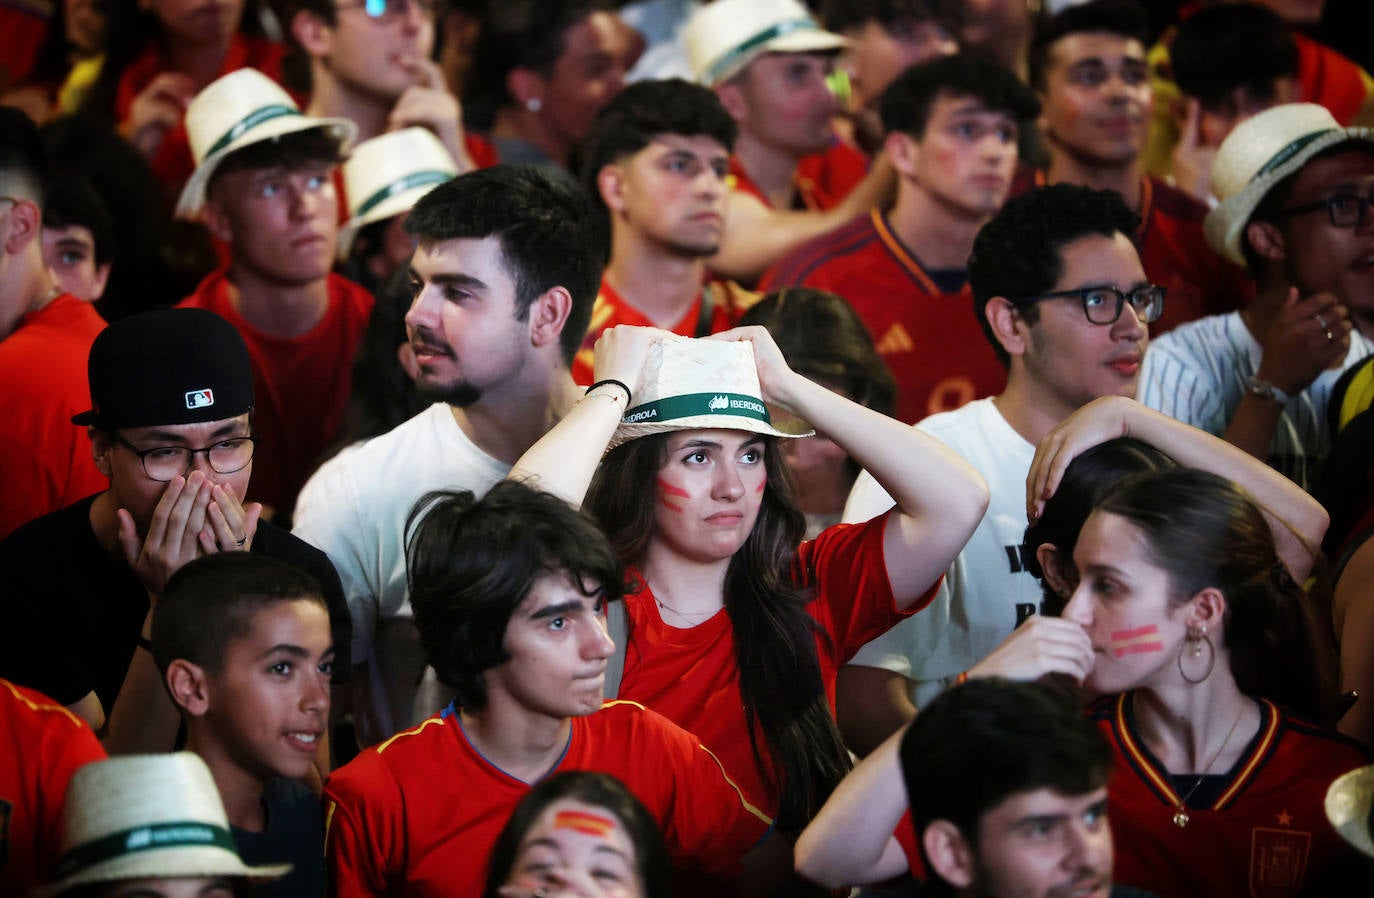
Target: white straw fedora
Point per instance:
(1258, 154)
(384, 176)
(147, 817)
(1350, 808)
(244, 107)
(725, 36)
(694, 384)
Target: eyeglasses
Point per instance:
(1345, 210)
(387, 10)
(1102, 305)
(164, 463)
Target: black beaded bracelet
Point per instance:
(612, 382)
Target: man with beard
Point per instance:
(1088, 66)
(504, 274)
(656, 162)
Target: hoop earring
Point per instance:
(1197, 639)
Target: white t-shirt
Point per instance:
(1196, 373)
(986, 591)
(354, 509)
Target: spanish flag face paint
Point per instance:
(576, 848)
(584, 822)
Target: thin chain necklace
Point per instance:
(1181, 813)
(692, 619)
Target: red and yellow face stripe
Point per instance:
(584, 822)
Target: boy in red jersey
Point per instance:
(515, 623)
(1090, 70)
(951, 134)
(657, 159)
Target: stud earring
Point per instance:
(534, 104)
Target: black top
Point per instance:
(70, 614)
(294, 835)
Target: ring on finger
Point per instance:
(1330, 337)
(1321, 322)
(239, 543)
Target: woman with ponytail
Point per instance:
(732, 629)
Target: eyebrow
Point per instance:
(171, 437)
(1101, 569)
(73, 243)
(452, 279)
(546, 842)
(1039, 819)
(558, 609)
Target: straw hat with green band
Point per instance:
(1260, 153)
(386, 175)
(147, 817)
(239, 109)
(725, 36)
(699, 384)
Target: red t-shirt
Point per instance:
(728, 302)
(1175, 254)
(42, 744)
(690, 676)
(419, 813)
(300, 385)
(1330, 79)
(173, 162)
(45, 459)
(23, 29)
(820, 180)
(930, 339)
(1262, 830)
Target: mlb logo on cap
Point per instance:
(200, 398)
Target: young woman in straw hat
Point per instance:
(732, 629)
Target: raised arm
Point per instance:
(850, 842)
(940, 498)
(1297, 520)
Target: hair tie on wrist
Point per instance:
(614, 383)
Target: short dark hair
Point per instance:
(212, 600)
(23, 160)
(1219, 49)
(1123, 18)
(840, 15)
(547, 227)
(599, 790)
(71, 201)
(1036, 736)
(470, 563)
(292, 152)
(906, 103)
(643, 110)
(1017, 253)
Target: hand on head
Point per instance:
(621, 352)
(774, 372)
(1097, 422)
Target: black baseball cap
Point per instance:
(170, 366)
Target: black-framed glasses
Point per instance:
(385, 10)
(1346, 210)
(163, 463)
(1103, 304)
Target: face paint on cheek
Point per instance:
(666, 490)
(1135, 641)
(583, 822)
(763, 484)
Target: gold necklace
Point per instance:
(1181, 813)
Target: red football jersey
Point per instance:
(300, 385)
(691, 677)
(418, 814)
(1264, 833)
(930, 339)
(820, 180)
(1175, 254)
(43, 744)
(727, 302)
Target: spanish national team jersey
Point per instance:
(820, 180)
(691, 676)
(1258, 830)
(1175, 254)
(719, 305)
(929, 337)
(418, 814)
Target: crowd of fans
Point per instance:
(549, 448)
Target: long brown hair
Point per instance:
(775, 637)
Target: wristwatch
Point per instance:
(1265, 390)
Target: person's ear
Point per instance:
(949, 854)
(1007, 325)
(1059, 571)
(188, 686)
(525, 85)
(1207, 611)
(101, 447)
(549, 314)
(1266, 239)
(102, 277)
(313, 33)
(903, 152)
(26, 226)
(610, 182)
(216, 221)
(732, 97)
